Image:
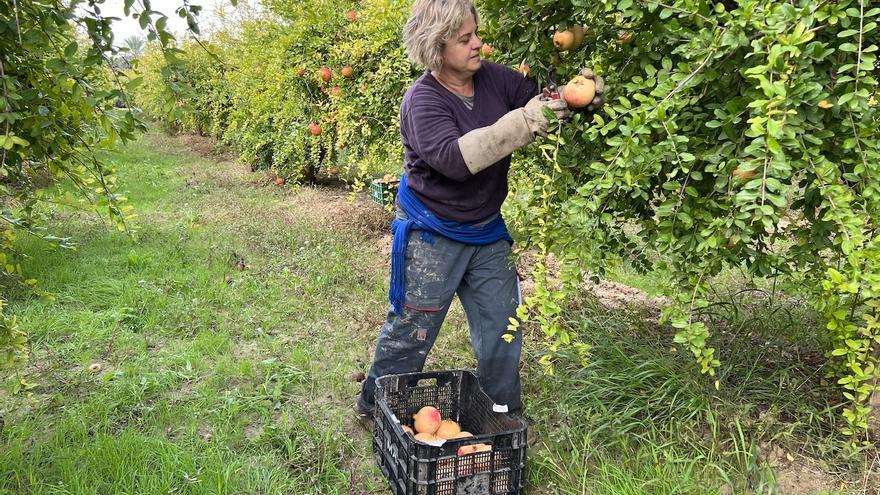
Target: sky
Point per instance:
(127, 26)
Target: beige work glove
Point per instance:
(483, 147)
(599, 99)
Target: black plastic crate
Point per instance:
(416, 468)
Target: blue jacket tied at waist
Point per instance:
(472, 234)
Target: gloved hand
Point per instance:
(599, 99)
(534, 113)
(483, 147)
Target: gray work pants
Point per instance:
(487, 286)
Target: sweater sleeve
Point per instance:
(520, 89)
(429, 128)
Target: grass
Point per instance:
(228, 333)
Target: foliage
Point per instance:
(258, 87)
(58, 92)
(737, 134)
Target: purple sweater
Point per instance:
(432, 119)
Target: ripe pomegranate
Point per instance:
(487, 49)
(466, 449)
(335, 171)
(346, 71)
(314, 129)
(352, 16)
(279, 181)
(426, 437)
(427, 420)
(579, 92)
(325, 73)
(335, 91)
(448, 429)
(742, 174)
(579, 34)
(563, 40)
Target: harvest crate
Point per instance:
(416, 468)
(383, 191)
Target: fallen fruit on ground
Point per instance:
(579, 92)
(314, 129)
(448, 429)
(427, 420)
(279, 181)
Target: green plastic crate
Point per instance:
(383, 193)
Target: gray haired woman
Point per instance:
(459, 123)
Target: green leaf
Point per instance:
(70, 50)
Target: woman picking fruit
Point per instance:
(459, 123)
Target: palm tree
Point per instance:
(135, 45)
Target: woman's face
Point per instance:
(462, 52)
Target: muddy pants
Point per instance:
(487, 286)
